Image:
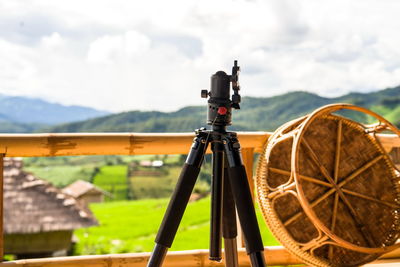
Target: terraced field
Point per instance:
(113, 180)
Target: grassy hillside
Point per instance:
(256, 114)
(62, 171)
(17, 127)
(61, 176)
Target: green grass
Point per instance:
(113, 180)
(61, 176)
(393, 115)
(267, 237)
(131, 226)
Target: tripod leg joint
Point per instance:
(232, 150)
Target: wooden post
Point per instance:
(248, 160)
(1, 207)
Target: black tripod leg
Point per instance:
(229, 230)
(216, 201)
(179, 200)
(244, 202)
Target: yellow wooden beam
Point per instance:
(188, 258)
(65, 144)
(68, 144)
(275, 255)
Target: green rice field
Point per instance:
(113, 180)
(131, 226)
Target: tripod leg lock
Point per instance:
(232, 150)
(199, 146)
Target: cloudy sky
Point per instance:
(157, 55)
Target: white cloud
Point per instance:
(124, 55)
(52, 41)
(118, 47)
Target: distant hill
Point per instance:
(15, 127)
(23, 114)
(259, 113)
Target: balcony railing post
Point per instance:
(248, 161)
(1, 207)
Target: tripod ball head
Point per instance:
(219, 112)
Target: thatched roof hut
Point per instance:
(85, 192)
(35, 210)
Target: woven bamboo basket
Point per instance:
(328, 190)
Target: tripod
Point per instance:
(230, 187)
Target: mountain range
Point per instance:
(23, 114)
(256, 113)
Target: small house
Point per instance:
(85, 192)
(150, 164)
(39, 219)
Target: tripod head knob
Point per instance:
(204, 93)
(219, 112)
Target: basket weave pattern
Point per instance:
(328, 190)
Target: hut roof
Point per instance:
(32, 205)
(80, 187)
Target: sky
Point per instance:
(157, 55)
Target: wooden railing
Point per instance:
(45, 145)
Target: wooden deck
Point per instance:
(44, 145)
